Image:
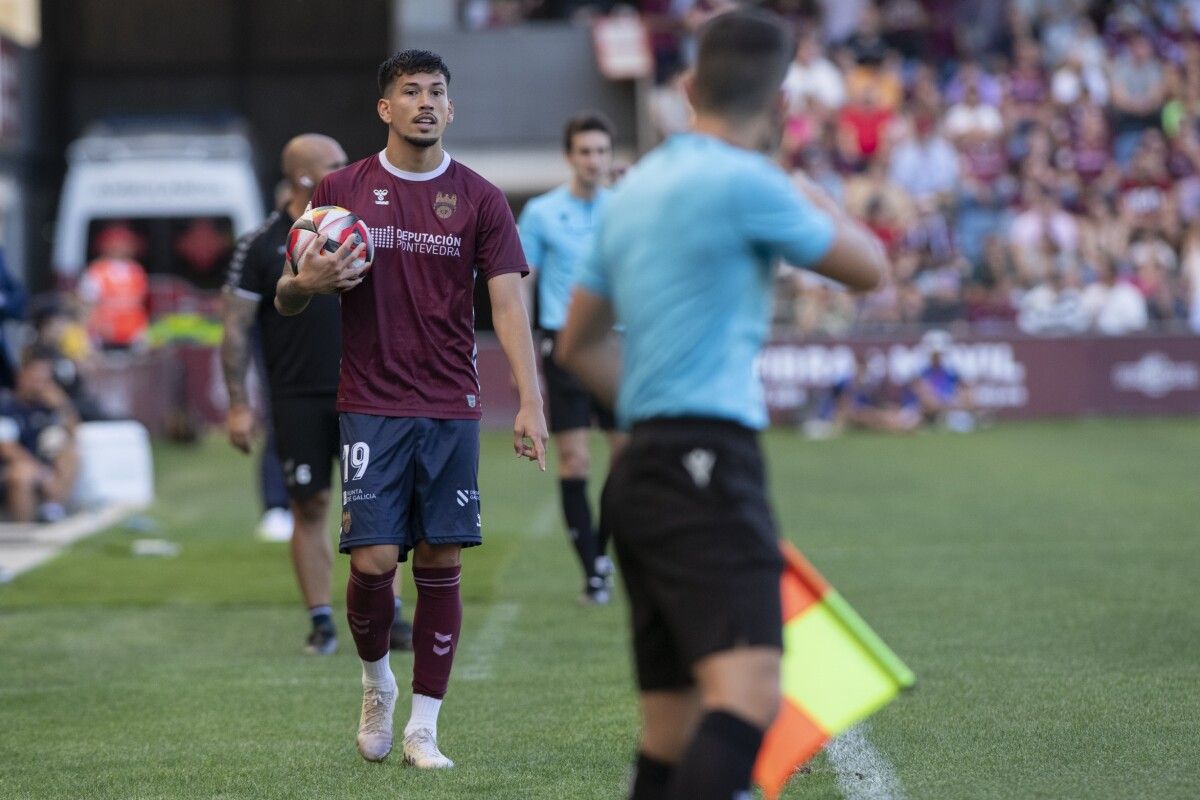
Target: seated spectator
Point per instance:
(1091, 151)
(1190, 270)
(60, 337)
(971, 76)
(938, 393)
(1073, 82)
(873, 193)
(1155, 271)
(862, 123)
(1027, 91)
(12, 308)
(1139, 90)
(860, 401)
(1113, 306)
(812, 79)
(925, 164)
(991, 295)
(1147, 193)
(37, 448)
(1044, 237)
(973, 119)
(1053, 306)
(905, 25)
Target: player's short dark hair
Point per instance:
(410, 62)
(583, 122)
(742, 60)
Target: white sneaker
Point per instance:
(605, 569)
(275, 526)
(421, 750)
(375, 724)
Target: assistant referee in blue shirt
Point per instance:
(683, 259)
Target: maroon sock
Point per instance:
(436, 624)
(370, 607)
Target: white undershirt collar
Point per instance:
(415, 176)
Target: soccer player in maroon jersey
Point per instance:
(408, 392)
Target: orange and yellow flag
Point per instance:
(836, 671)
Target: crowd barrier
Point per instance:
(1015, 377)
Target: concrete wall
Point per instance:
(513, 88)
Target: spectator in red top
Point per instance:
(861, 126)
(1147, 194)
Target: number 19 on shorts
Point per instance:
(355, 457)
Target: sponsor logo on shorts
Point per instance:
(699, 464)
(464, 496)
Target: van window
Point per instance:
(196, 249)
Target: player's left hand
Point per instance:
(530, 435)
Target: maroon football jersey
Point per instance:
(408, 330)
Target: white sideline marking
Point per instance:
(477, 662)
(24, 546)
(543, 522)
(863, 773)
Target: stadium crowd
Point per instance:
(1030, 163)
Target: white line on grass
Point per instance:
(863, 773)
(477, 661)
(542, 523)
(25, 546)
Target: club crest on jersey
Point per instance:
(345, 522)
(381, 197)
(444, 205)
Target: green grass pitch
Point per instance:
(1041, 579)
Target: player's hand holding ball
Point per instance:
(329, 250)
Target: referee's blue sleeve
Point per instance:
(530, 229)
(775, 216)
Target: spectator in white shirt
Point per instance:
(925, 164)
(812, 79)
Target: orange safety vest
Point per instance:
(117, 290)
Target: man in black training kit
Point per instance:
(302, 361)
(684, 258)
(556, 234)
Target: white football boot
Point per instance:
(421, 750)
(375, 724)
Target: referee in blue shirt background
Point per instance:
(684, 257)
(556, 234)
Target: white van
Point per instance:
(186, 193)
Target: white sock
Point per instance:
(377, 673)
(424, 714)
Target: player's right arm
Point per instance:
(320, 273)
(237, 317)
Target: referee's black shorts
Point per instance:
(571, 405)
(307, 440)
(687, 506)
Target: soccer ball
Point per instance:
(335, 222)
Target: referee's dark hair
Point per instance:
(410, 62)
(583, 122)
(742, 60)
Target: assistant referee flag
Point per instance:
(836, 671)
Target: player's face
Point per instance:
(418, 108)
(591, 157)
